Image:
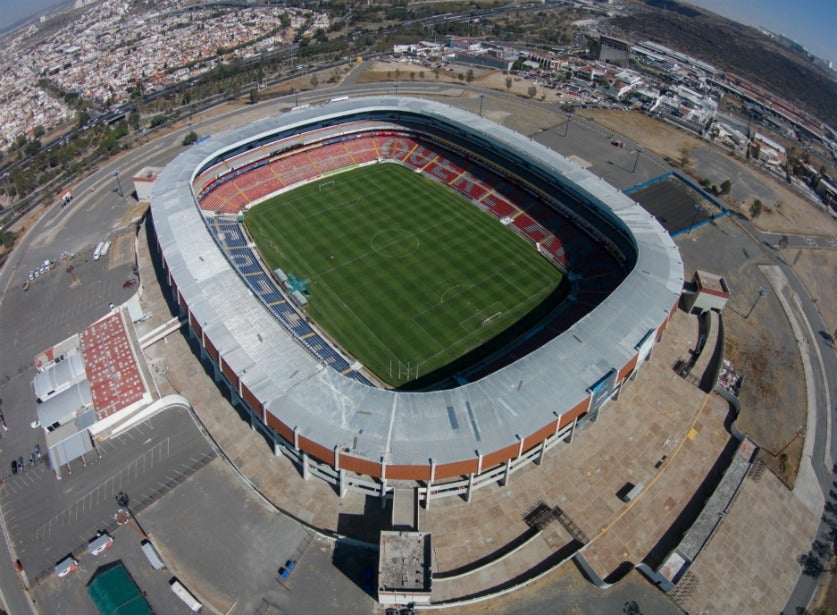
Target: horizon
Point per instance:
(808, 22)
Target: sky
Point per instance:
(12, 11)
(813, 23)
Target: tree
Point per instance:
(508, 83)
(726, 186)
(254, 95)
(783, 242)
(315, 82)
(470, 76)
(532, 91)
(755, 209)
(190, 138)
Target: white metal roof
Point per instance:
(404, 427)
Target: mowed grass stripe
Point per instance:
(402, 269)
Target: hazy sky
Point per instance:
(12, 11)
(813, 23)
(810, 22)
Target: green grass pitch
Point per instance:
(405, 274)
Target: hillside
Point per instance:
(735, 48)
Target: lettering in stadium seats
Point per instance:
(242, 259)
(394, 148)
(421, 157)
(262, 287)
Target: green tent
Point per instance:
(114, 592)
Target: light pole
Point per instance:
(636, 160)
(396, 88)
(122, 500)
(567, 124)
(698, 209)
(118, 183)
(761, 294)
(482, 98)
(296, 97)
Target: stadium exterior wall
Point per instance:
(407, 437)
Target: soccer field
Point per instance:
(405, 274)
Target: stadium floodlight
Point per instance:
(118, 183)
(760, 294)
(698, 209)
(638, 151)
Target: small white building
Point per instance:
(707, 291)
(143, 182)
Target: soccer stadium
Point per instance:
(393, 289)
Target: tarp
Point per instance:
(114, 592)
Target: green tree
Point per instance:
(726, 186)
(756, 208)
(532, 91)
(314, 81)
(470, 76)
(190, 138)
(254, 95)
(508, 83)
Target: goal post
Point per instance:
(326, 185)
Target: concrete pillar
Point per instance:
(470, 487)
(342, 482)
(520, 448)
(558, 424)
(306, 471)
(383, 482)
(572, 431)
(276, 446)
(336, 457)
(427, 495)
(479, 464)
(507, 473)
(539, 459)
(296, 438)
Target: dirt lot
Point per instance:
(794, 214)
(492, 79)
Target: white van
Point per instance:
(151, 555)
(185, 595)
(66, 566)
(98, 251)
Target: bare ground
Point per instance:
(794, 215)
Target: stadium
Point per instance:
(502, 400)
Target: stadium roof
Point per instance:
(410, 428)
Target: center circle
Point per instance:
(394, 242)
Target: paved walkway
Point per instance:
(663, 433)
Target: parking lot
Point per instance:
(47, 518)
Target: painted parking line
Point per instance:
(107, 489)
